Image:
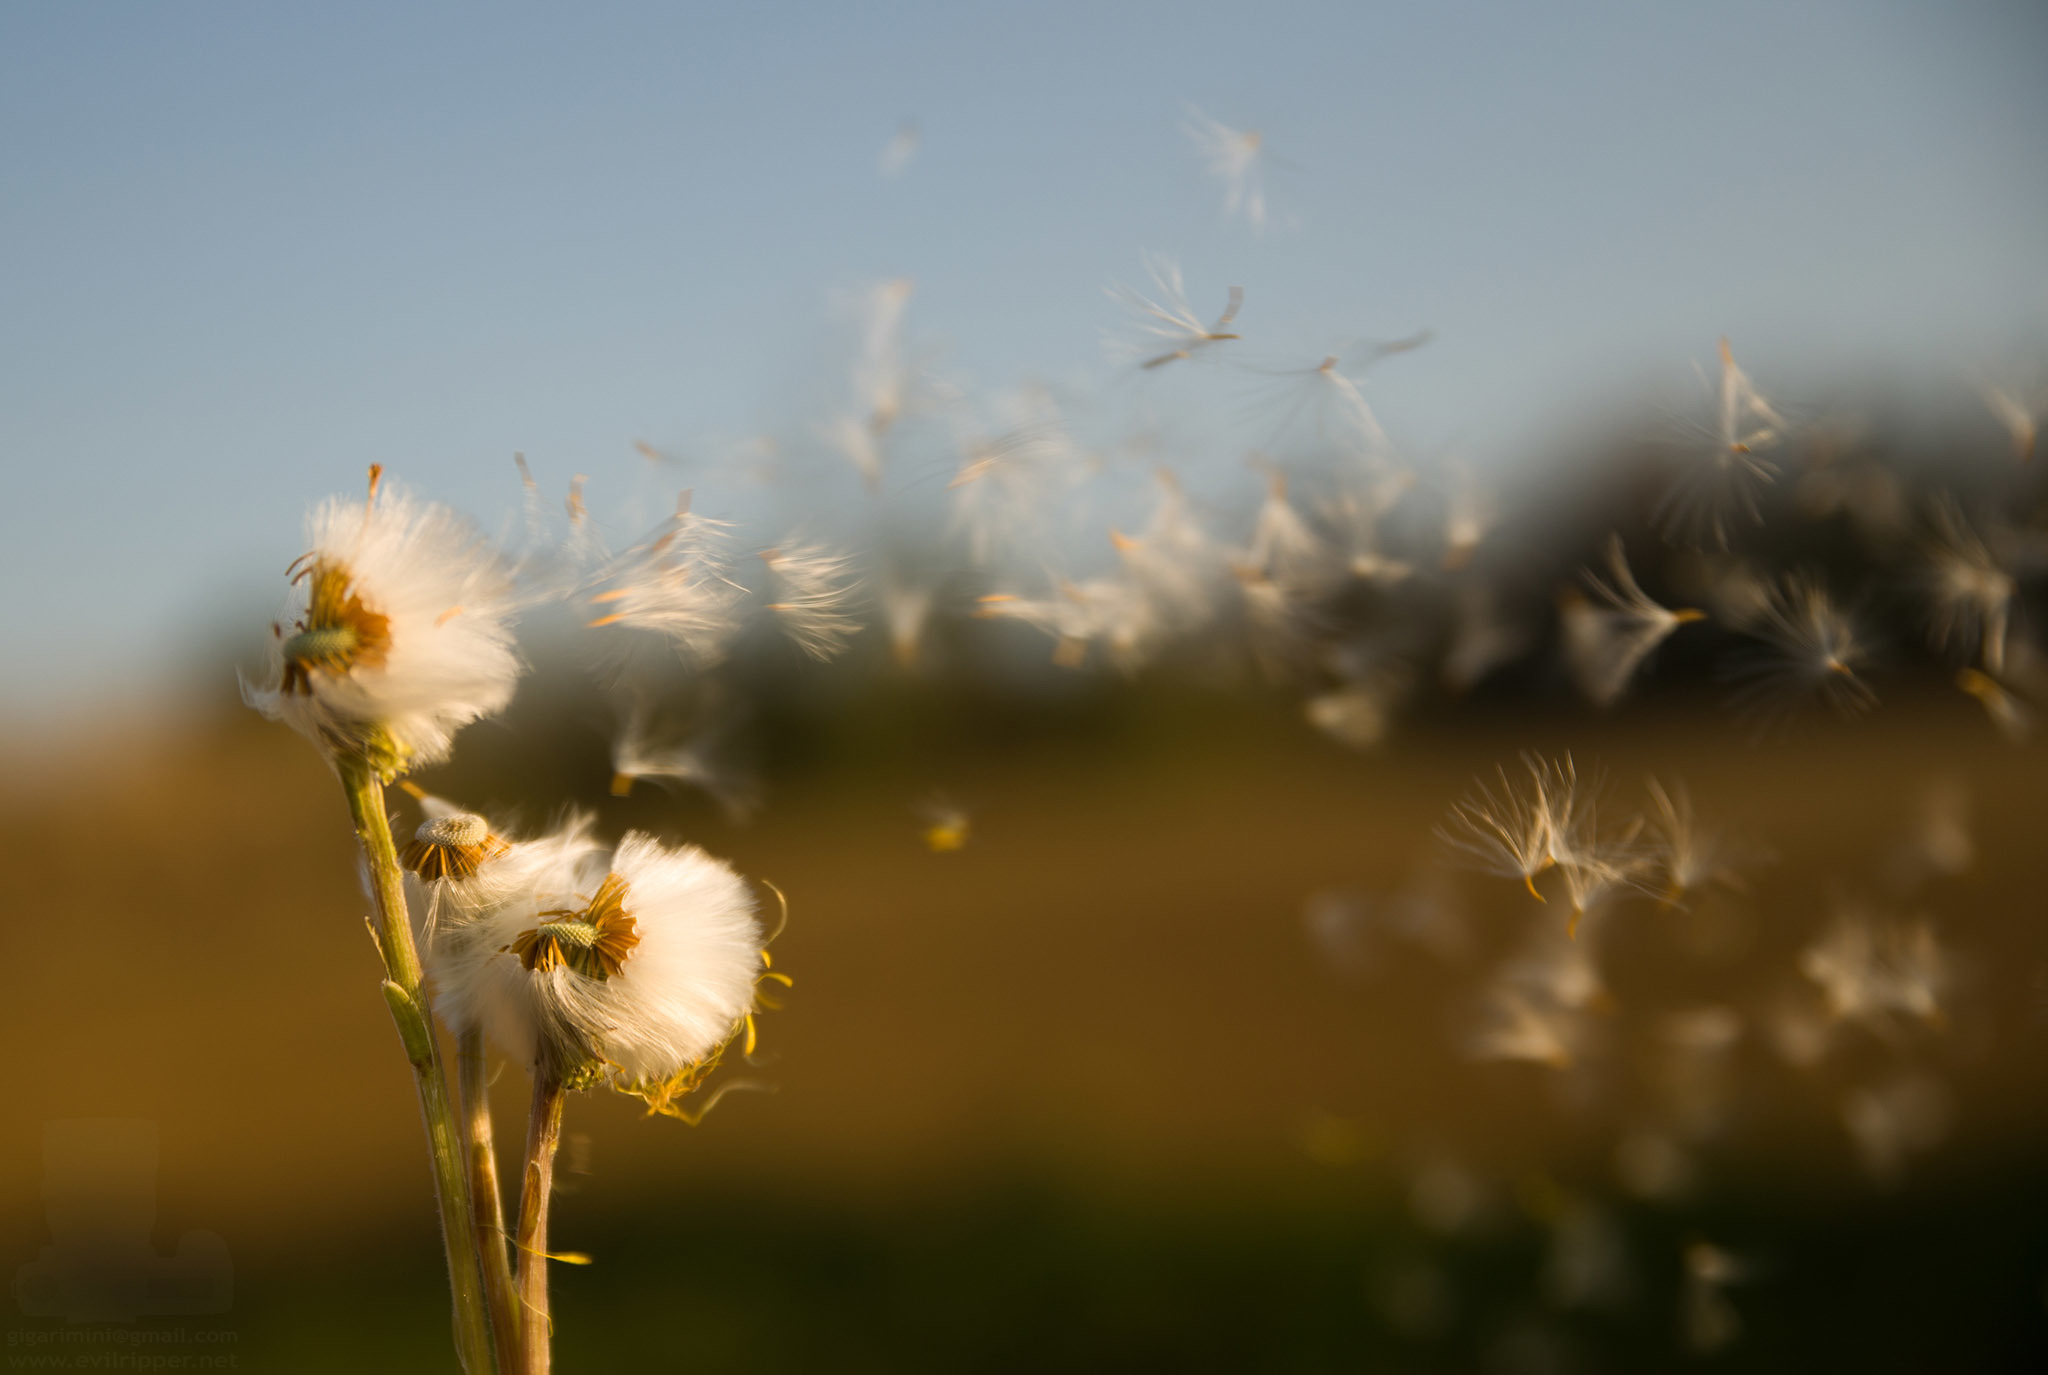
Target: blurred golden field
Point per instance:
(1080, 1094)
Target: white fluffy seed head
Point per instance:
(430, 598)
(678, 994)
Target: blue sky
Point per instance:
(250, 249)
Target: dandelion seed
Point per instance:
(1938, 842)
(1596, 870)
(814, 595)
(648, 747)
(374, 664)
(1892, 1122)
(855, 440)
(1483, 638)
(901, 148)
(1346, 927)
(1969, 591)
(1723, 486)
(1356, 715)
(2013, 717)
(2021, 418)
(946, 824)
(1707, 1320)
(880, 381)
(1009, 473)
(1330, 403)
(1515, 1027)
(906, 614)
(1606, 640)
(1283, 548)
(1688, 855)
(1280, 623)
(1080, 614)
(1879, 973)
(675, 584)
(1517, 833)
(1731, 589)
(1172, 563)
(1235, 157)
(1356, 518)
(1810, 648)
(1468, 515)
(1557, 969)
(1168, 329)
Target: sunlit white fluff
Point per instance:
(1324, 403)
(1284, 547)
(1112, 612)
(657, 744)
(814, 593)
(1172, 562)
(1234, 157)
(477, 986)
(1514, 832)
(1608, 636)
(2020, 415)
(679, 993)
(1355, 518)
(1687, 854)
(676, 584)
(856, 440)
(1470, 513)
(399, 631)
(1357, 714)
(1879, 973)
(2011, 713)
(1014, 465)
(879, 376)
(1167, 328)
(1808, 647)
(907, 605)
(1527, 826)
(1720, 488)
(1512, 1025)
(1968, 588)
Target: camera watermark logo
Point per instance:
(103, 1265)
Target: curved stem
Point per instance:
(543, 1134)
(415, 1030)
(487, 1205)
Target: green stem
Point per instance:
(487, 1204)
(408, 1009)
(543, 1134)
